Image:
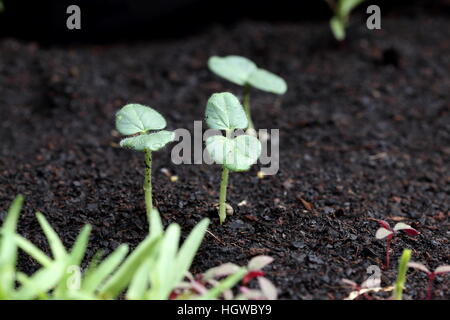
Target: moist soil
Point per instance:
(364, 135)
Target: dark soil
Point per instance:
(364, 135)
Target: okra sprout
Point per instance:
(340, 20)
(138, 122)
(225, 112)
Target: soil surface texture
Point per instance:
(364, 135)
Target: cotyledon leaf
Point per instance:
(225, 112)
(233, 68)
(136, 118)
(237, 154)
(152, 141)
(243, 71)
(218, 147)
(267, 81)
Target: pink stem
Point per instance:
(430, 285)
(367, 296)
(388, 247)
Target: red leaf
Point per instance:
(384, 224)
(411, 232)
(173, 295)
(251, 275)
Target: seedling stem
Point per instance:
(223, 195)
(388, 248)
(430, 285)
(223, 188)
(148, 183)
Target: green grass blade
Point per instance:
(162, 279)
(140, 282)
(80, 246)
(189, 249)
(96, 275)
(33, 251)
(56, 246)
(8, 248)
(401, 276)
(41, 282)
(74, 260)
(124, 274)
(156, 227)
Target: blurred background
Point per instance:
(118, 20)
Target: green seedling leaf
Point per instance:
(97, 275)
(80, 245)
(33, 251)
(8, 248)
(344, 7)
(156, 226)
(42, 281)
(124, 274)
(74, 259)
(338, 28)
(162, 279)
(139, 283)
(225, 112)
(136, 118)
(189, 249)
(267, 81)
(243, 72)
(233, 68)
(237, 154)
(401, 275)
(56, 246)
(152, 141)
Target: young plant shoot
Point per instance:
(431, 274)
(225, 112)
(386, 232)
(340, 20)
(138, 122)
(244, 72)
(401, 275)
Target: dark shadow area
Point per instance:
(106, 21)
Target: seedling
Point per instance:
(225, 112)
(401, 275)
(138, 121)
(369, 285)
(244, 72)
(431, 275)
(386, 232)
(340, 20)
(218, 281)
